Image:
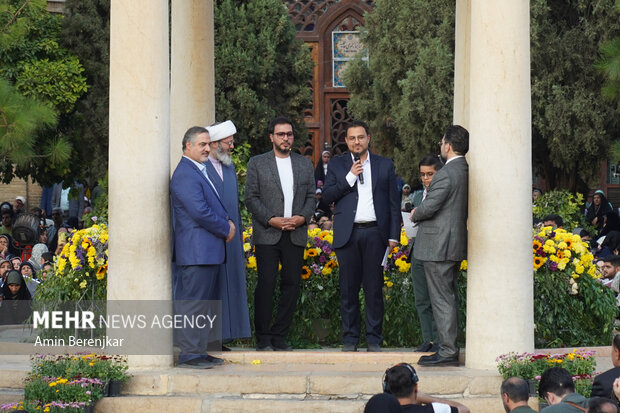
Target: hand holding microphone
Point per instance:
(357, 168)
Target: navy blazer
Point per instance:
(384, 194)
(199, 219)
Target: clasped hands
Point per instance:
(287, 224)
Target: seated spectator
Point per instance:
(17, 262)
(47, 269)
(535, 194)
(598, 209)
(321, 206)
(327, 225)
(47, 257)
(26, 269)
(7, 222)
(35, 259)
(603, 383)
(553, 220)
(19, 205)
(557, 388)
(402, 382)
(608, 245)
(382, 403)
(4, 246)
(406, 200)
(16, 301)
(312, 225)
(611, 222)
(611, 266)
(515, 392)
(5, 267)
(601, 405)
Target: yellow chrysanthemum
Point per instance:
(246, 247)
(251, 264)
(326, 271)
(389, 284)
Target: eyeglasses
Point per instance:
(427, 175)
(281, 135)
(229, 143)
(356, 138)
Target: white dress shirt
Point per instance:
(365, 211)
(203, 169)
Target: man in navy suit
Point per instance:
(201, 230)
(366, 221)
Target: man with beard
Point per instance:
(441, 241)
(231, 280)
(366, 221)
(279, 192)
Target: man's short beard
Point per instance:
(222, 155)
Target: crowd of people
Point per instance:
(29, 240)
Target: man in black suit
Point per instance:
(366, 221)
(603, 383)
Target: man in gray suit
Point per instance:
(441, 242)
(279, 193)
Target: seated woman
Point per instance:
(597, 210)
(28, 273)
(16, 303)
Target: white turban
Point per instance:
(221, 131)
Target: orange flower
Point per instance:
(305, 272)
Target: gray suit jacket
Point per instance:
(442, 216)
(264, 198)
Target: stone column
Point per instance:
(462, 44)
(139, 163)
(192, 76)
(499, 284)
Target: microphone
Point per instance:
(356, 157)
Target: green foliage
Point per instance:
(240, 158)
(86, 33)
(33, 61)
(58, 82)
(571, 124)
(405, 92)
(609, 65)
(565, 204)
(20, 119)
(261, 70)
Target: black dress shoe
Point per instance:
(215, 360)
(349, 347)
(281, 347)
(373, 348)
(264, 348)
(197, 363)
(425, 347)
(224, 348)
(437, 360)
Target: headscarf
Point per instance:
(35, 259)
(605, 208)
(15, 277)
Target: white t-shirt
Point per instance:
(285, 170)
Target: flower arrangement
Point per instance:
(317, 318)
(68, 383)
(530, 366)
(565, 278)
(81, 268)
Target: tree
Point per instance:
(37, 67)
(405, 93)
(572, 126)
(261, 70)
(609, 64)
(86, 33)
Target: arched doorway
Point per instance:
(321, 25)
